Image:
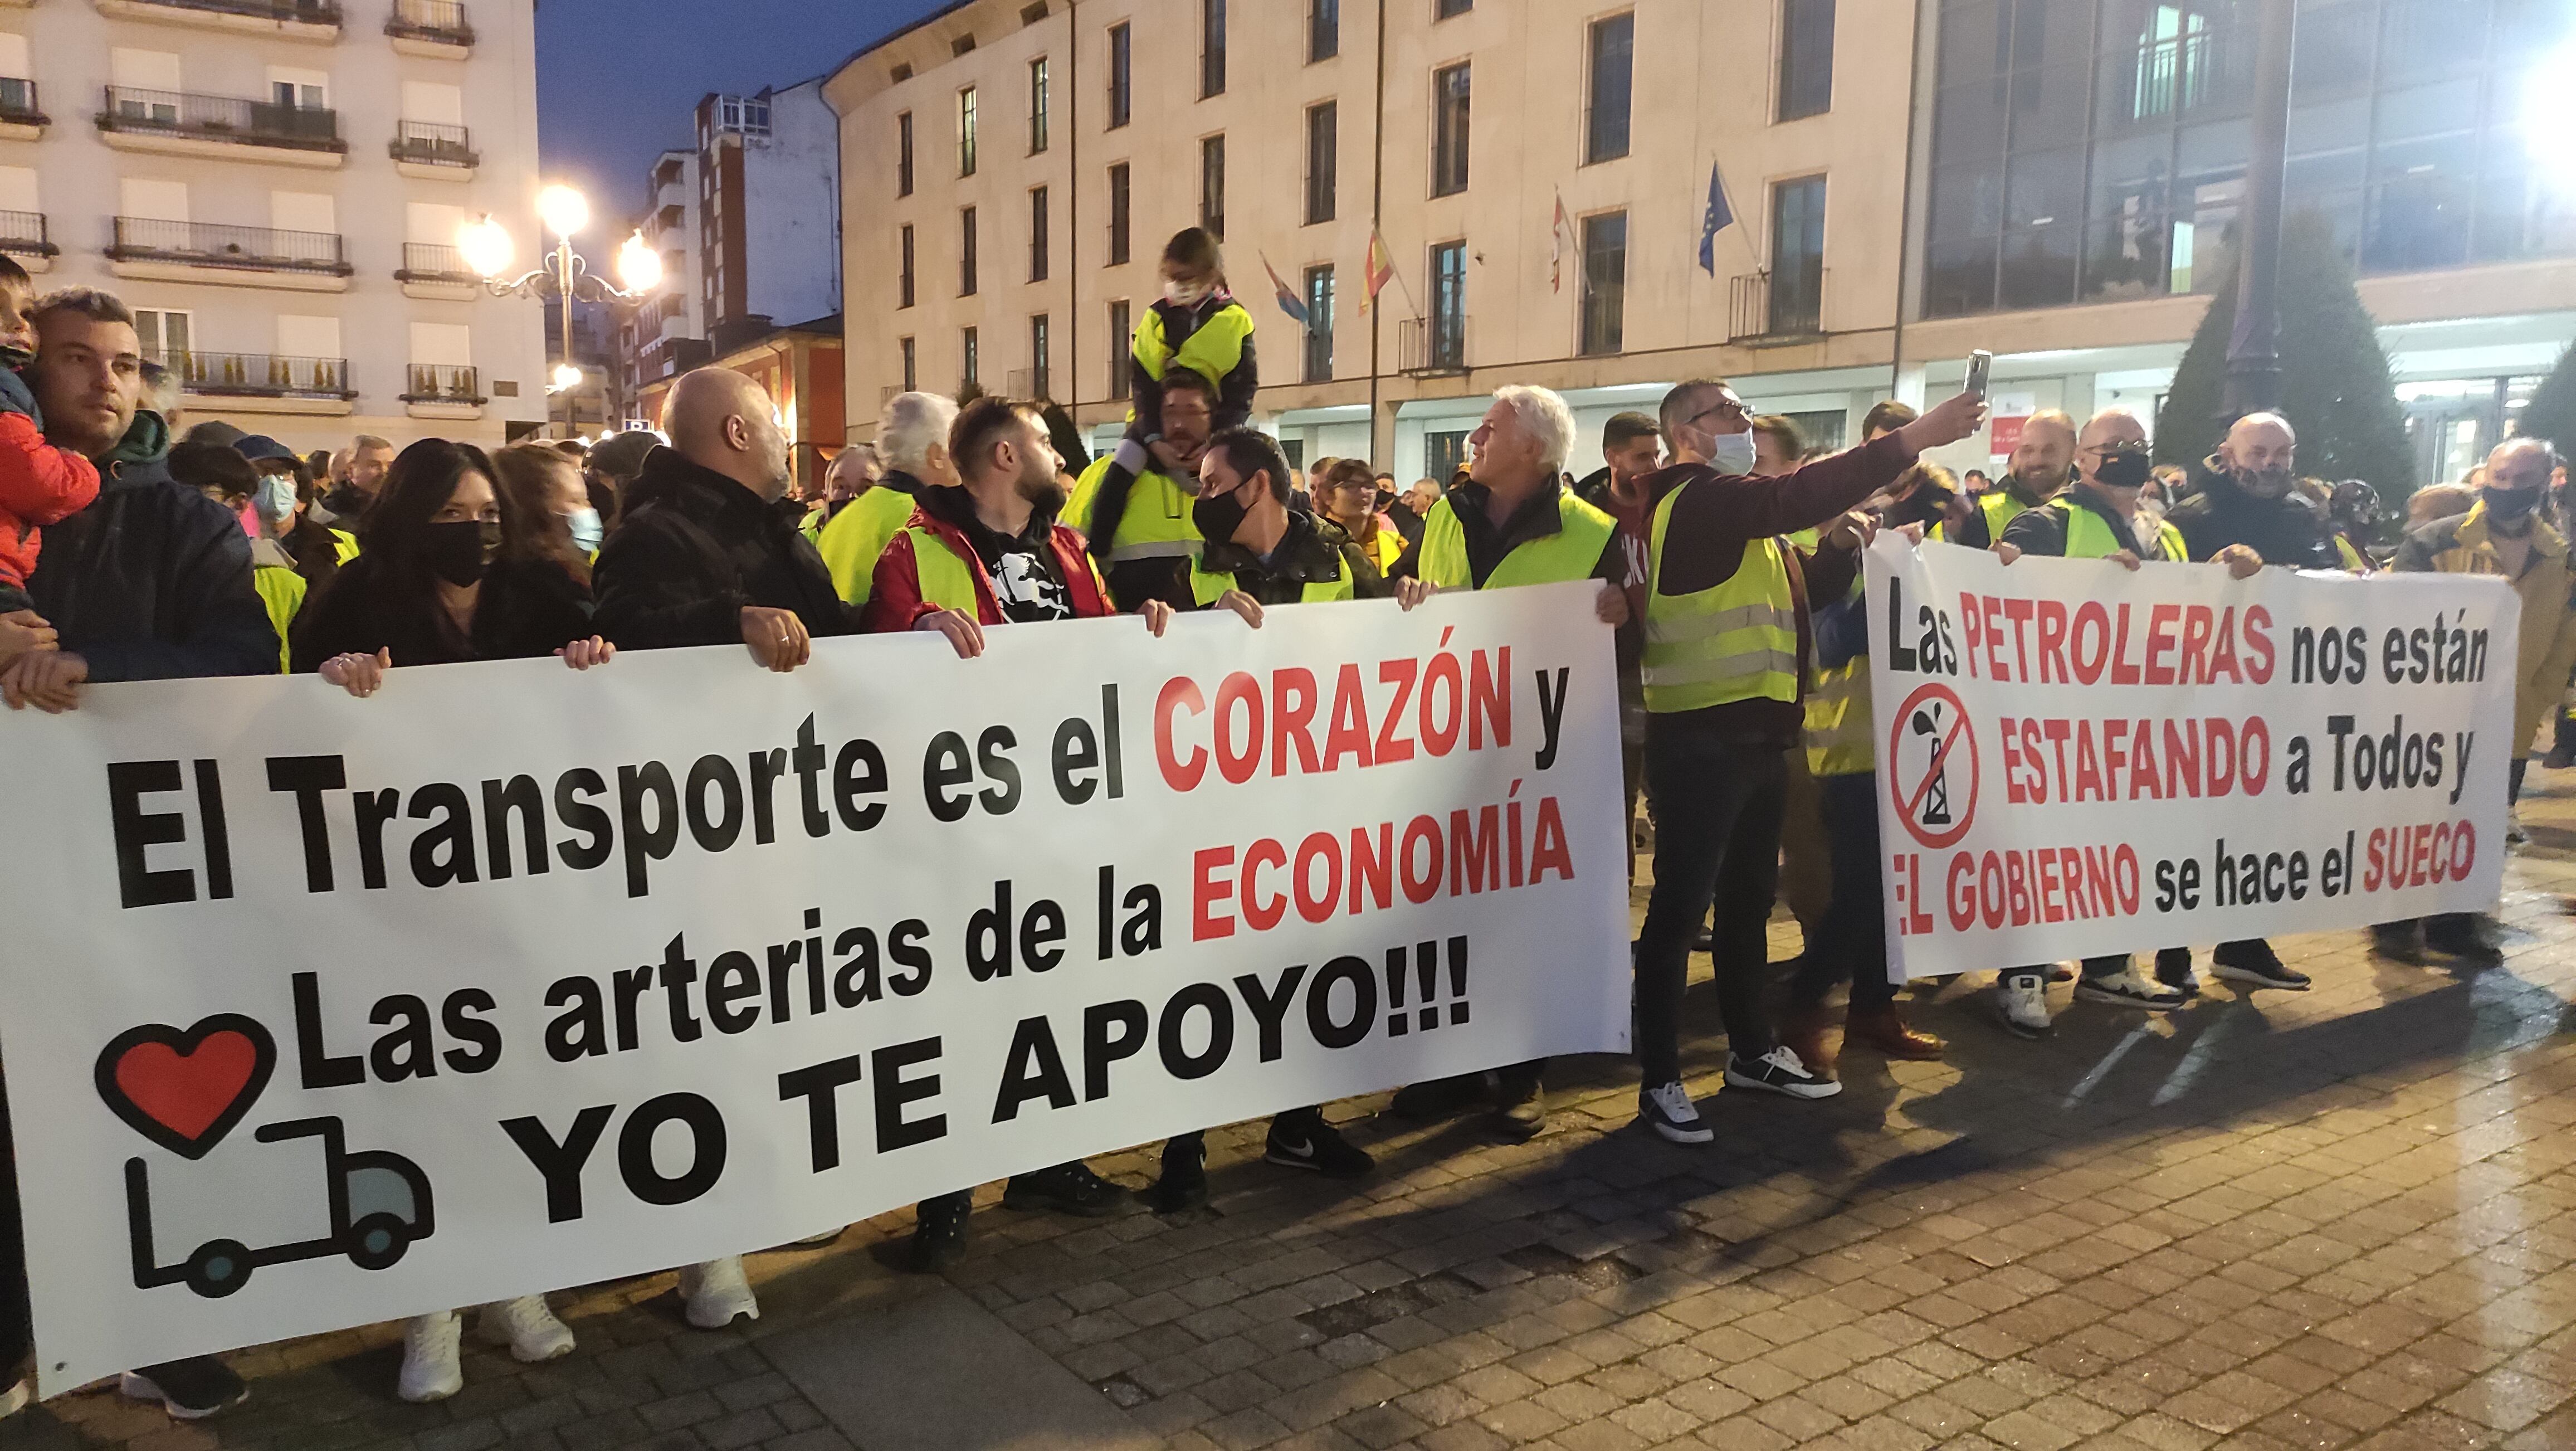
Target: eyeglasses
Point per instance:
(1730, 409)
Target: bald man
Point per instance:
(2503, 534)
(702, 556)
(2043, 464)
(2248, 495)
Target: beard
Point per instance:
(1042, 491)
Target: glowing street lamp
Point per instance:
(487, 248)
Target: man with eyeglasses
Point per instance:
(1727, 644)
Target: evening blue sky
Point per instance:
(616, 78)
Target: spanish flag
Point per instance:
(1380, 269)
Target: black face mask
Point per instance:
(2510, 507)
(2126, 468)
(1217, 517)
(458, 552)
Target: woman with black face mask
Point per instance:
(450, 568)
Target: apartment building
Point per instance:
(666, 336)
(276, 187)
(1011, 170)
(2052, 180)
(749, 231)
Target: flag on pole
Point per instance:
(1380, 268)
(1289, 302)
(1719, 218)
(1560, 241)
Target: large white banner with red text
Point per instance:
(322, 1011)
(2076, 759)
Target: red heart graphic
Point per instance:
(186, 1090)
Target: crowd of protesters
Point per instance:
(1726, 554)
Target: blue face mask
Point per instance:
(275, 500)
(586, 532)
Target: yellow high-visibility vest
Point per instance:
(1570, 553)
(1738, 641)
(854, 537)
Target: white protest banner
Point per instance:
(2078, 760)
(324, 1011)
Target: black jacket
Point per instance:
(526, 609)
(152, 582)
(1311, 552)
(693, 549)
(2287, 530)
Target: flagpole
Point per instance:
(1368, 255)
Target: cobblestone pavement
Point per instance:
(2297, 1220)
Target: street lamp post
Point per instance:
(2253, 351)
(563, 275)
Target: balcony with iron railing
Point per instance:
(194, 125)
(444, 390)
(25, 235)
(1432, 345)
(21, 119)
(434, 269)
(430, 27)
(1768, 307)
(433, 150)
(262, 375)
(239, 256)
(317, 21)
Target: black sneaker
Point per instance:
(1318, 1146)
(1066, 1189)
(939, 1234)
(1438, 1098)
(1778, 1071)
(1522, 1115)
(2256, 965)
(2399, 941)
(1667, 1109)
(2456, 934)
(190, 1389)
(2173, 969)
(1183, 1182)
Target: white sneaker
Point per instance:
(2131, 988)
(717, 1293)
(2023, 1003)
(430, 1370)
(526, 1326)
(1668, 1107)
(1779, 1071)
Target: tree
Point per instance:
(2551, 414)
(2335, 388)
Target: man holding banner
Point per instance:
(1726, 650)
(2097, 518)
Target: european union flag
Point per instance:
(1719, 218)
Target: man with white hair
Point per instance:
(1727, 647)
(912, 445)
(1513, 522)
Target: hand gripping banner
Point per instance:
(324, 1011)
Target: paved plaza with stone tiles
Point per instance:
(2338, 1218)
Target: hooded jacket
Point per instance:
(895, 600)
(1311, 552)
(2288, 530)
(152, 581)
(694, 549)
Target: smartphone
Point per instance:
(1980, 363)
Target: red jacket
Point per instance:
(894, 595)
(39, 484)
